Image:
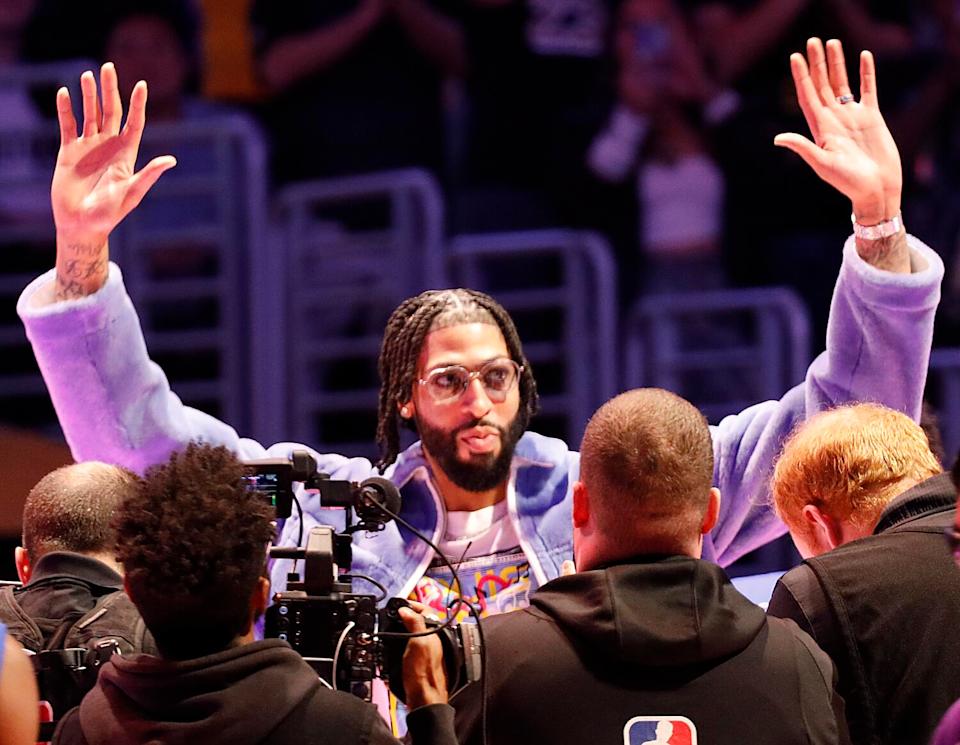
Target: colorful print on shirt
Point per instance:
(496, 583)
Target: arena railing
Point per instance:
(352, 248)
(560, 287)
(29, 138)
(188, 250)
(723, 350)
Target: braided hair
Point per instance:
(403, 339)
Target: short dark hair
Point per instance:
(193, 545)
(403, 339)
(72, 508)
(647, 462)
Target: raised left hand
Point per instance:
(852, 148)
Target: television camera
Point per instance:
(342, 634)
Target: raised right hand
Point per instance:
(94, 183)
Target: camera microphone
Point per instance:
(377, 497)
(339, 632)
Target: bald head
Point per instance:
(647, 464)
(71, 509)
(849, 463)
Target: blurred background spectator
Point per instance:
(658, 136)
(539, 87)
(782, 226)
(18, 161)
(355, 85)
(928, 132)
(16, 105)
(227, 46)
(156, 41)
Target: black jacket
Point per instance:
(72, 602)
(886, 609)
(604, 656)
(66, 586)
(255, 693)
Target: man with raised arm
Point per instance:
(491, 494)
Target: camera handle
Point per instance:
(319, 567)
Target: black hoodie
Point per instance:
(260, 693)
(604, 656)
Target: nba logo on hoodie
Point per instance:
(662, 730)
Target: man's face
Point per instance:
(470, 436)
(146, 47)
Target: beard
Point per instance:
(482, 472)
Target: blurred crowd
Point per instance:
(649, 120)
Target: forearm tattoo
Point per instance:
(74, 275)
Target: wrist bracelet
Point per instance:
(875, 232)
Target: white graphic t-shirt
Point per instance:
(494, 573)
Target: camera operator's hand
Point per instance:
(94, 184)
(424, 676)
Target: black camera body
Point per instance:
(324, 621)
(342, 634)
(335, 634)
(462, 649)
(349, 642)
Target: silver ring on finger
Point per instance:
(845, 98)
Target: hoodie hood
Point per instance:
(145, 699)
(654, 613)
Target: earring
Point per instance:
(404, 412)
